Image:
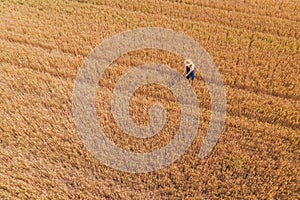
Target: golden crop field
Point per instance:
(255, 45)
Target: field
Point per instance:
(256, 47)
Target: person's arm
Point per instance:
(191, 70)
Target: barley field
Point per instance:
(255, 46)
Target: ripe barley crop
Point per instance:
(255, 45)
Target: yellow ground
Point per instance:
(255, 44)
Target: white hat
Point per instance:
(188, 62)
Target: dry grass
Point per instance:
(255, 45)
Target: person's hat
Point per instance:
(188, 62)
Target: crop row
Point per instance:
(264, 72)
(281, 10)
(191, 13)
(89, 28)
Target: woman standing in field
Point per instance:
(189, 70)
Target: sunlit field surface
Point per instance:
(255, 46)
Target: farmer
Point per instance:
(189, 70)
